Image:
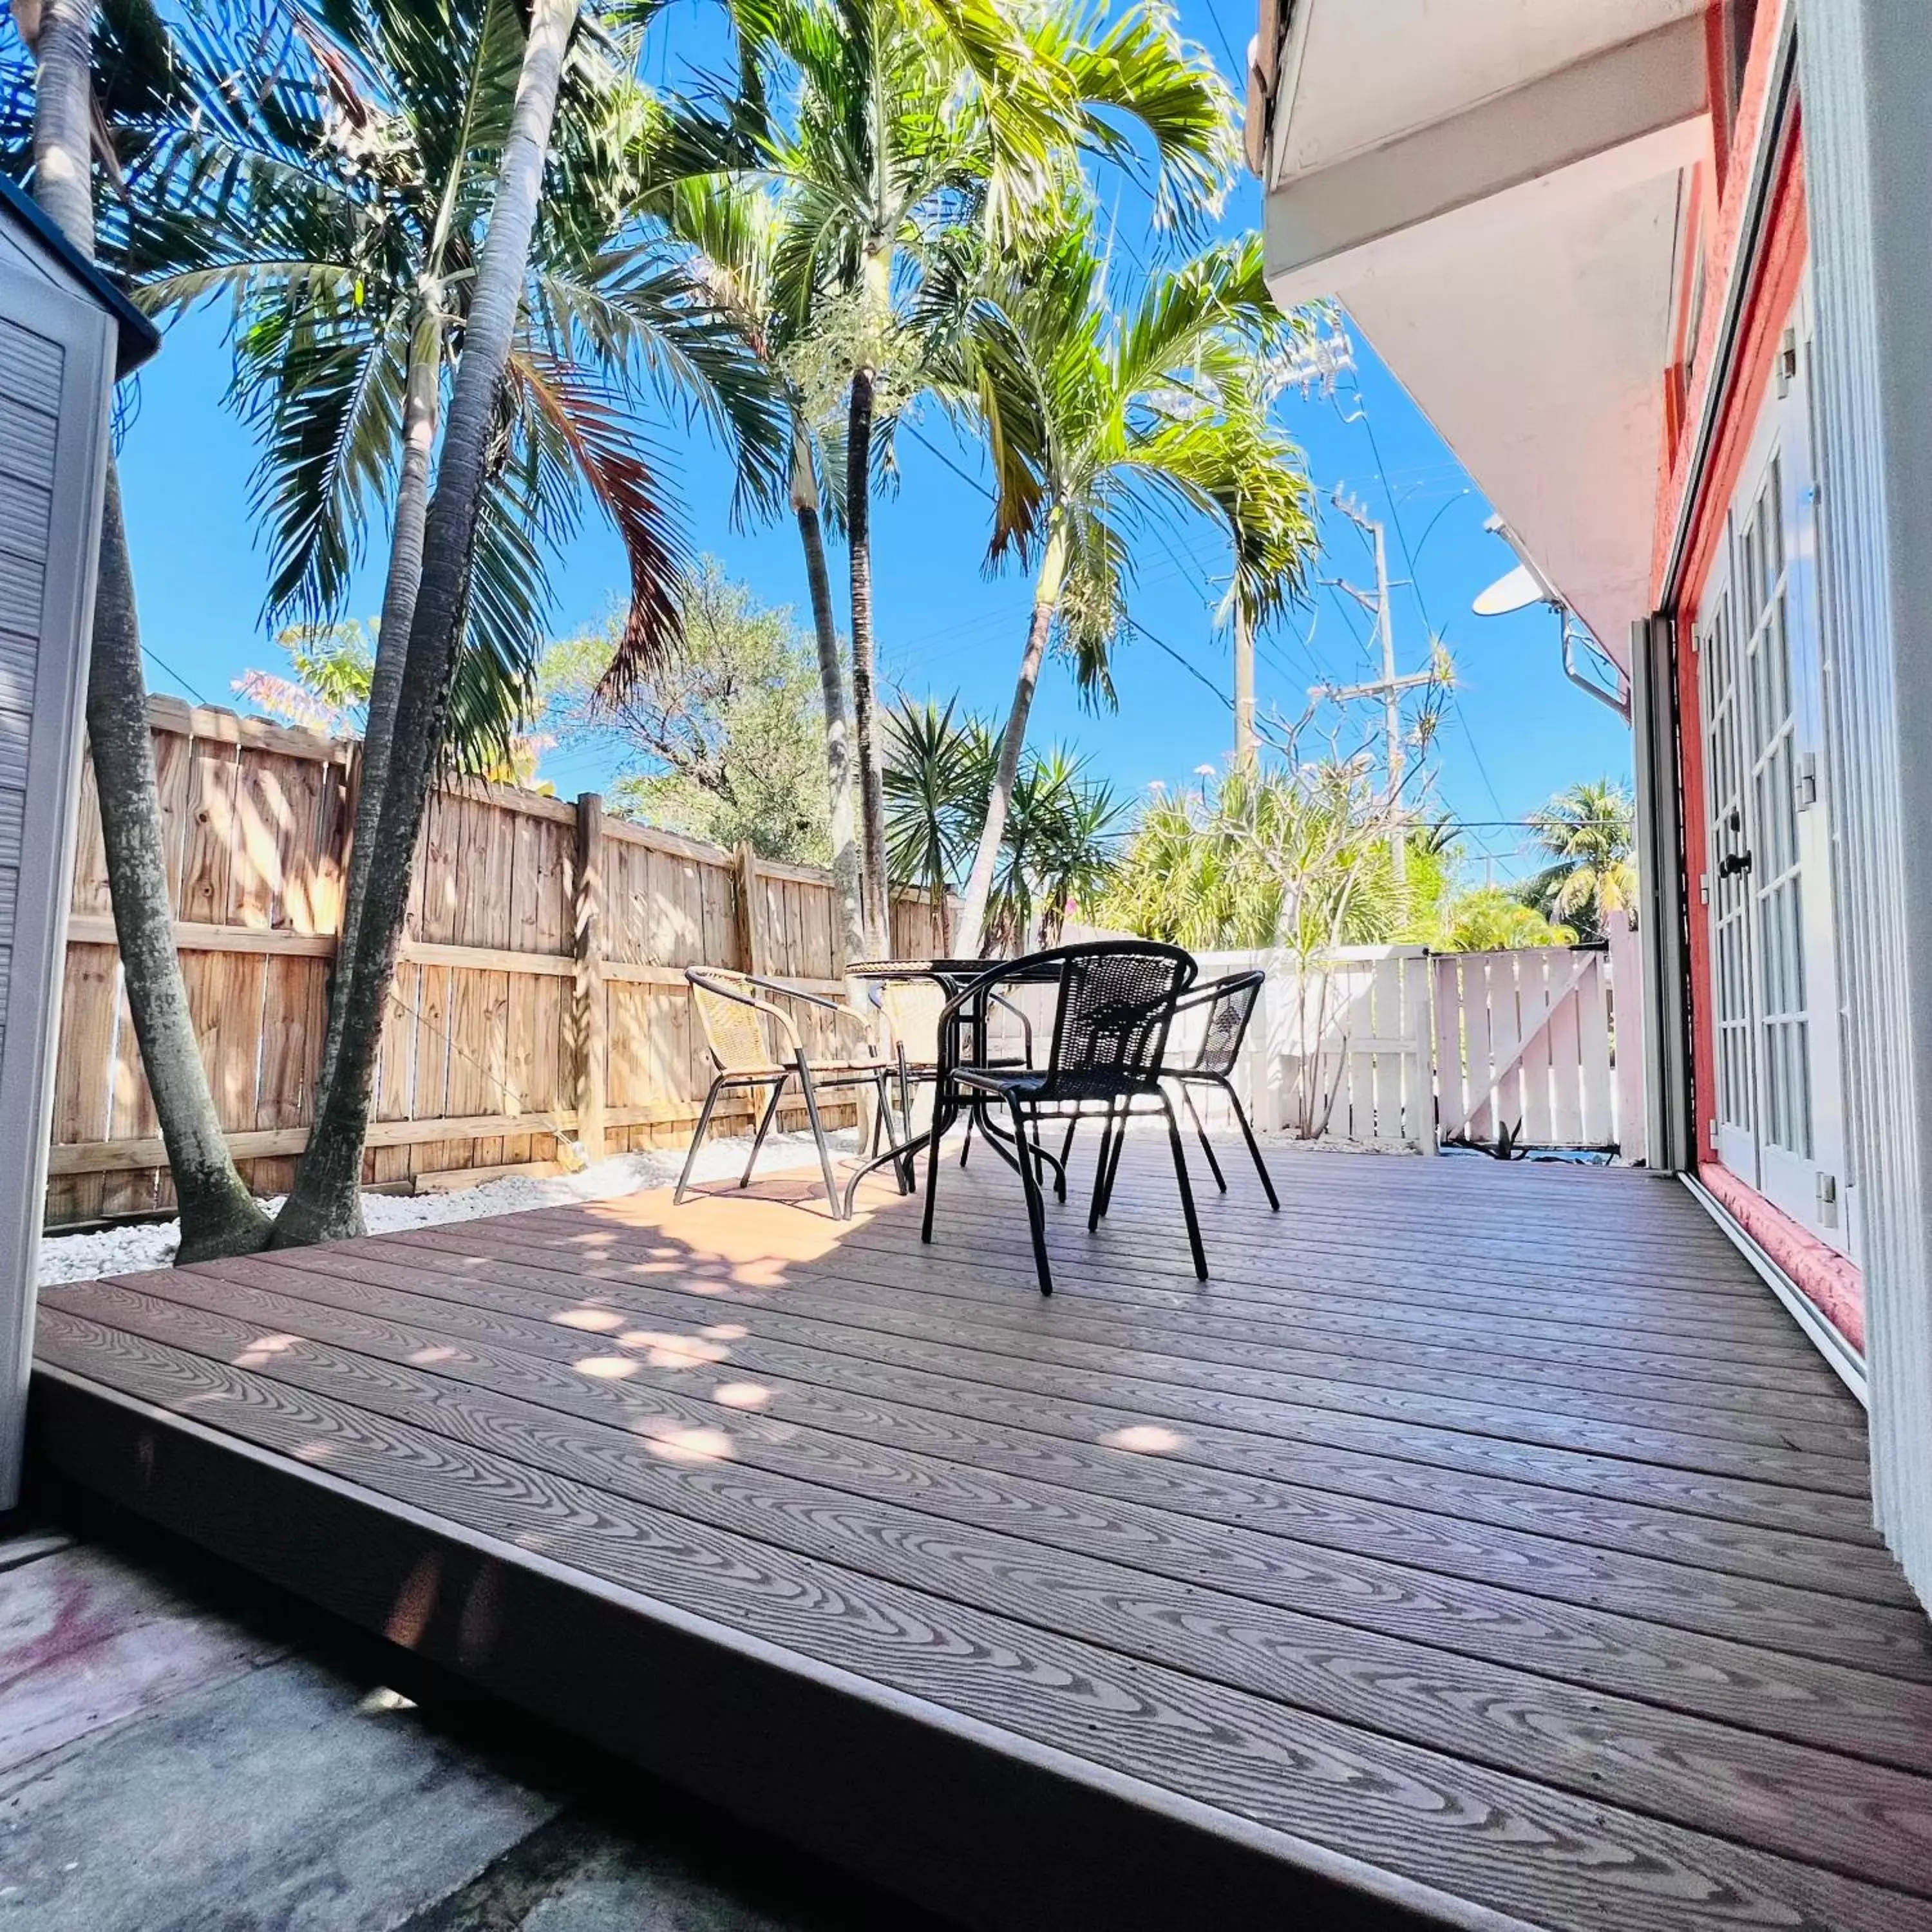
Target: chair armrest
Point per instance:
(741, 997)
(837, 1008)
(1018, 1013)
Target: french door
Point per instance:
(1768, 877)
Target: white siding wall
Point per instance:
(1866, 68)
(55, 360)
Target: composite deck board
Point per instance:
(1238, 1274)
(1599, 1389)
(1518, 1440)
(1515, 1341)
(505, 1300)
(1747, 1685)
(1648, 1562)
(1421, 1591)
(1240, 1284)
(1782, 1799)
(1726, 1530)
(1443, 1818)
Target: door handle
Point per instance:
(1733, 863)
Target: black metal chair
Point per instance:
(1116, 1002)
(734, 1019)
(1231, 1004)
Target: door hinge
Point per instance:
(1807, 780)
(1787, 361)
(1828, 1200)
(1704, 888)
(1711, 1134)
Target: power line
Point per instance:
(162, 664)
(1234, 67)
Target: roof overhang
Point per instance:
(1492, 189)
(135, 336)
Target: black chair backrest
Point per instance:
(1231, 1006)
(1116, 1001)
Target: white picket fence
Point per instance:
(1391, 1046)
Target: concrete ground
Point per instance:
(181, 1750)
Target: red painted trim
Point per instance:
(1768, 308)
(1833, 1285)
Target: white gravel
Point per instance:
(127, 1250)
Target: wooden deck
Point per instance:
(1481, 1545)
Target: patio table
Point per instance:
(953, 976)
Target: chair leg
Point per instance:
(1059, 1166)
(902, 1168)
(1254, 1147)
(697, 1139)
(839, 1210)
(764, 1127)
(966, 1145)
(1066, 1145)
(1207, 1145)
(1186, 1189)
(941, 1120)
(1036, 1204)
(1097, 1206)
(1114, 1158)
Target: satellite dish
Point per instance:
(1517, 591)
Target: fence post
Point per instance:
(748, 900)
(591, 1017)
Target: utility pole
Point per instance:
(1244, 683)
(1389, 687)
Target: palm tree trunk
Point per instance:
(63, 149)
(422, 399)
(865, 686)
(1013, 742)
(326, 1203)
(217, 1214)
(845, 865)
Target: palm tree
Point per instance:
(1588, 831)
(336, 174)
(325, 1201)
(1096, 425)
(735, 231)
(924, 128)
(217, 1215)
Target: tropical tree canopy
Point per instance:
(724, 741)
(329, 174)
(1492, 919)
(1101, 424)
(1274, 855)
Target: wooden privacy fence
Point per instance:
(540, 993)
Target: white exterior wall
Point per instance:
(1866, 70)
(56, 363)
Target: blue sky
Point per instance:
(1516, 730)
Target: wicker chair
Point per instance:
(912, 1005)
(735, 1020)
(1230, 1003)
(1117, 1000)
